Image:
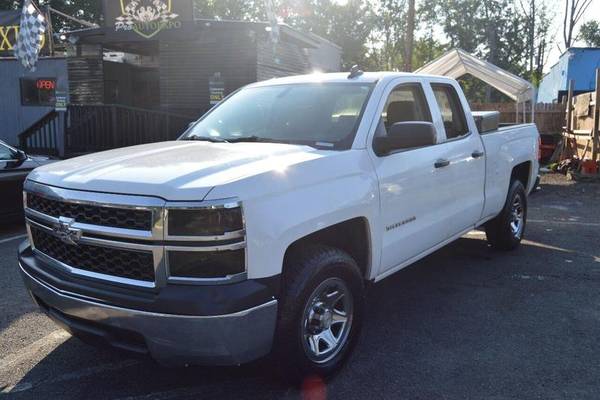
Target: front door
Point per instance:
(415, 189)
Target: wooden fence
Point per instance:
(549, 118)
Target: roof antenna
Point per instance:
(355, 72)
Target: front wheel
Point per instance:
(506, 230)
(320, 314)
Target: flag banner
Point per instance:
(9, 32)
(32, 31)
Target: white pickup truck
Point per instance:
(258, 230)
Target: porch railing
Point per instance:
(92, 128)
(86, 129)
(43, 137)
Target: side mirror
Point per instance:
(21, 155)
(405, 135)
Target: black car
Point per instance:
(14, 167)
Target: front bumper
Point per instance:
(170, 339)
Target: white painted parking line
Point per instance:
(10, 239)
(543, 221)
(45, 344)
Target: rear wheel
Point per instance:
(506, 230)
(320, 314)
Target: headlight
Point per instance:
(206, 264)
(205, 242)
(204, 221)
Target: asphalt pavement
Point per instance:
(465, 323)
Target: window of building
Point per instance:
(38, 91)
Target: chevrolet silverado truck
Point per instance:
(258, 230)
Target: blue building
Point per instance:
(26, 96)
(578, 64)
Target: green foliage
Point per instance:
(9, 5)
(231, 9)
(512, 35)
(87, 10)
(590, 33)
(427, 49)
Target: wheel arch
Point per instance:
(352, 236)
(522, 172)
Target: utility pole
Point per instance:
(410, 36)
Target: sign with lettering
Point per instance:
(60, 103)
(145, 18)
(9, 32)
(216, 89)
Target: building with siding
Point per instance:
(577, 64)
(180, 71)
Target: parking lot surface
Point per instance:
(465, 323)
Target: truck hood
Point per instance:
(177, 171)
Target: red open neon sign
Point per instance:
(46, 84)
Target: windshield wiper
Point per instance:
(206, 139)
(254, 139)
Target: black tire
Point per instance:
(307, 269)
(500, 231)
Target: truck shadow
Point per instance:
(465, 315)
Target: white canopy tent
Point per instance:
(456, 63)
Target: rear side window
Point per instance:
(453, 114)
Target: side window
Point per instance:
(405, 103)
(6, 153)
(451, 109)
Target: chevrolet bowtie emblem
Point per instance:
(65, 232)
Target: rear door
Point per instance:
(462, 149)
(415, 195)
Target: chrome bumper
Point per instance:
(170, 339)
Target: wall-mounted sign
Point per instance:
(9, 32)
(216, 89)
(61, 101)
(146, 18)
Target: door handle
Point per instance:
(477, 154)
(442, 163)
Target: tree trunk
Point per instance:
(531, 37)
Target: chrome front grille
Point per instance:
(130, 264)
(91, 214)
(120, 239)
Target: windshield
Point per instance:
(323, 115)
